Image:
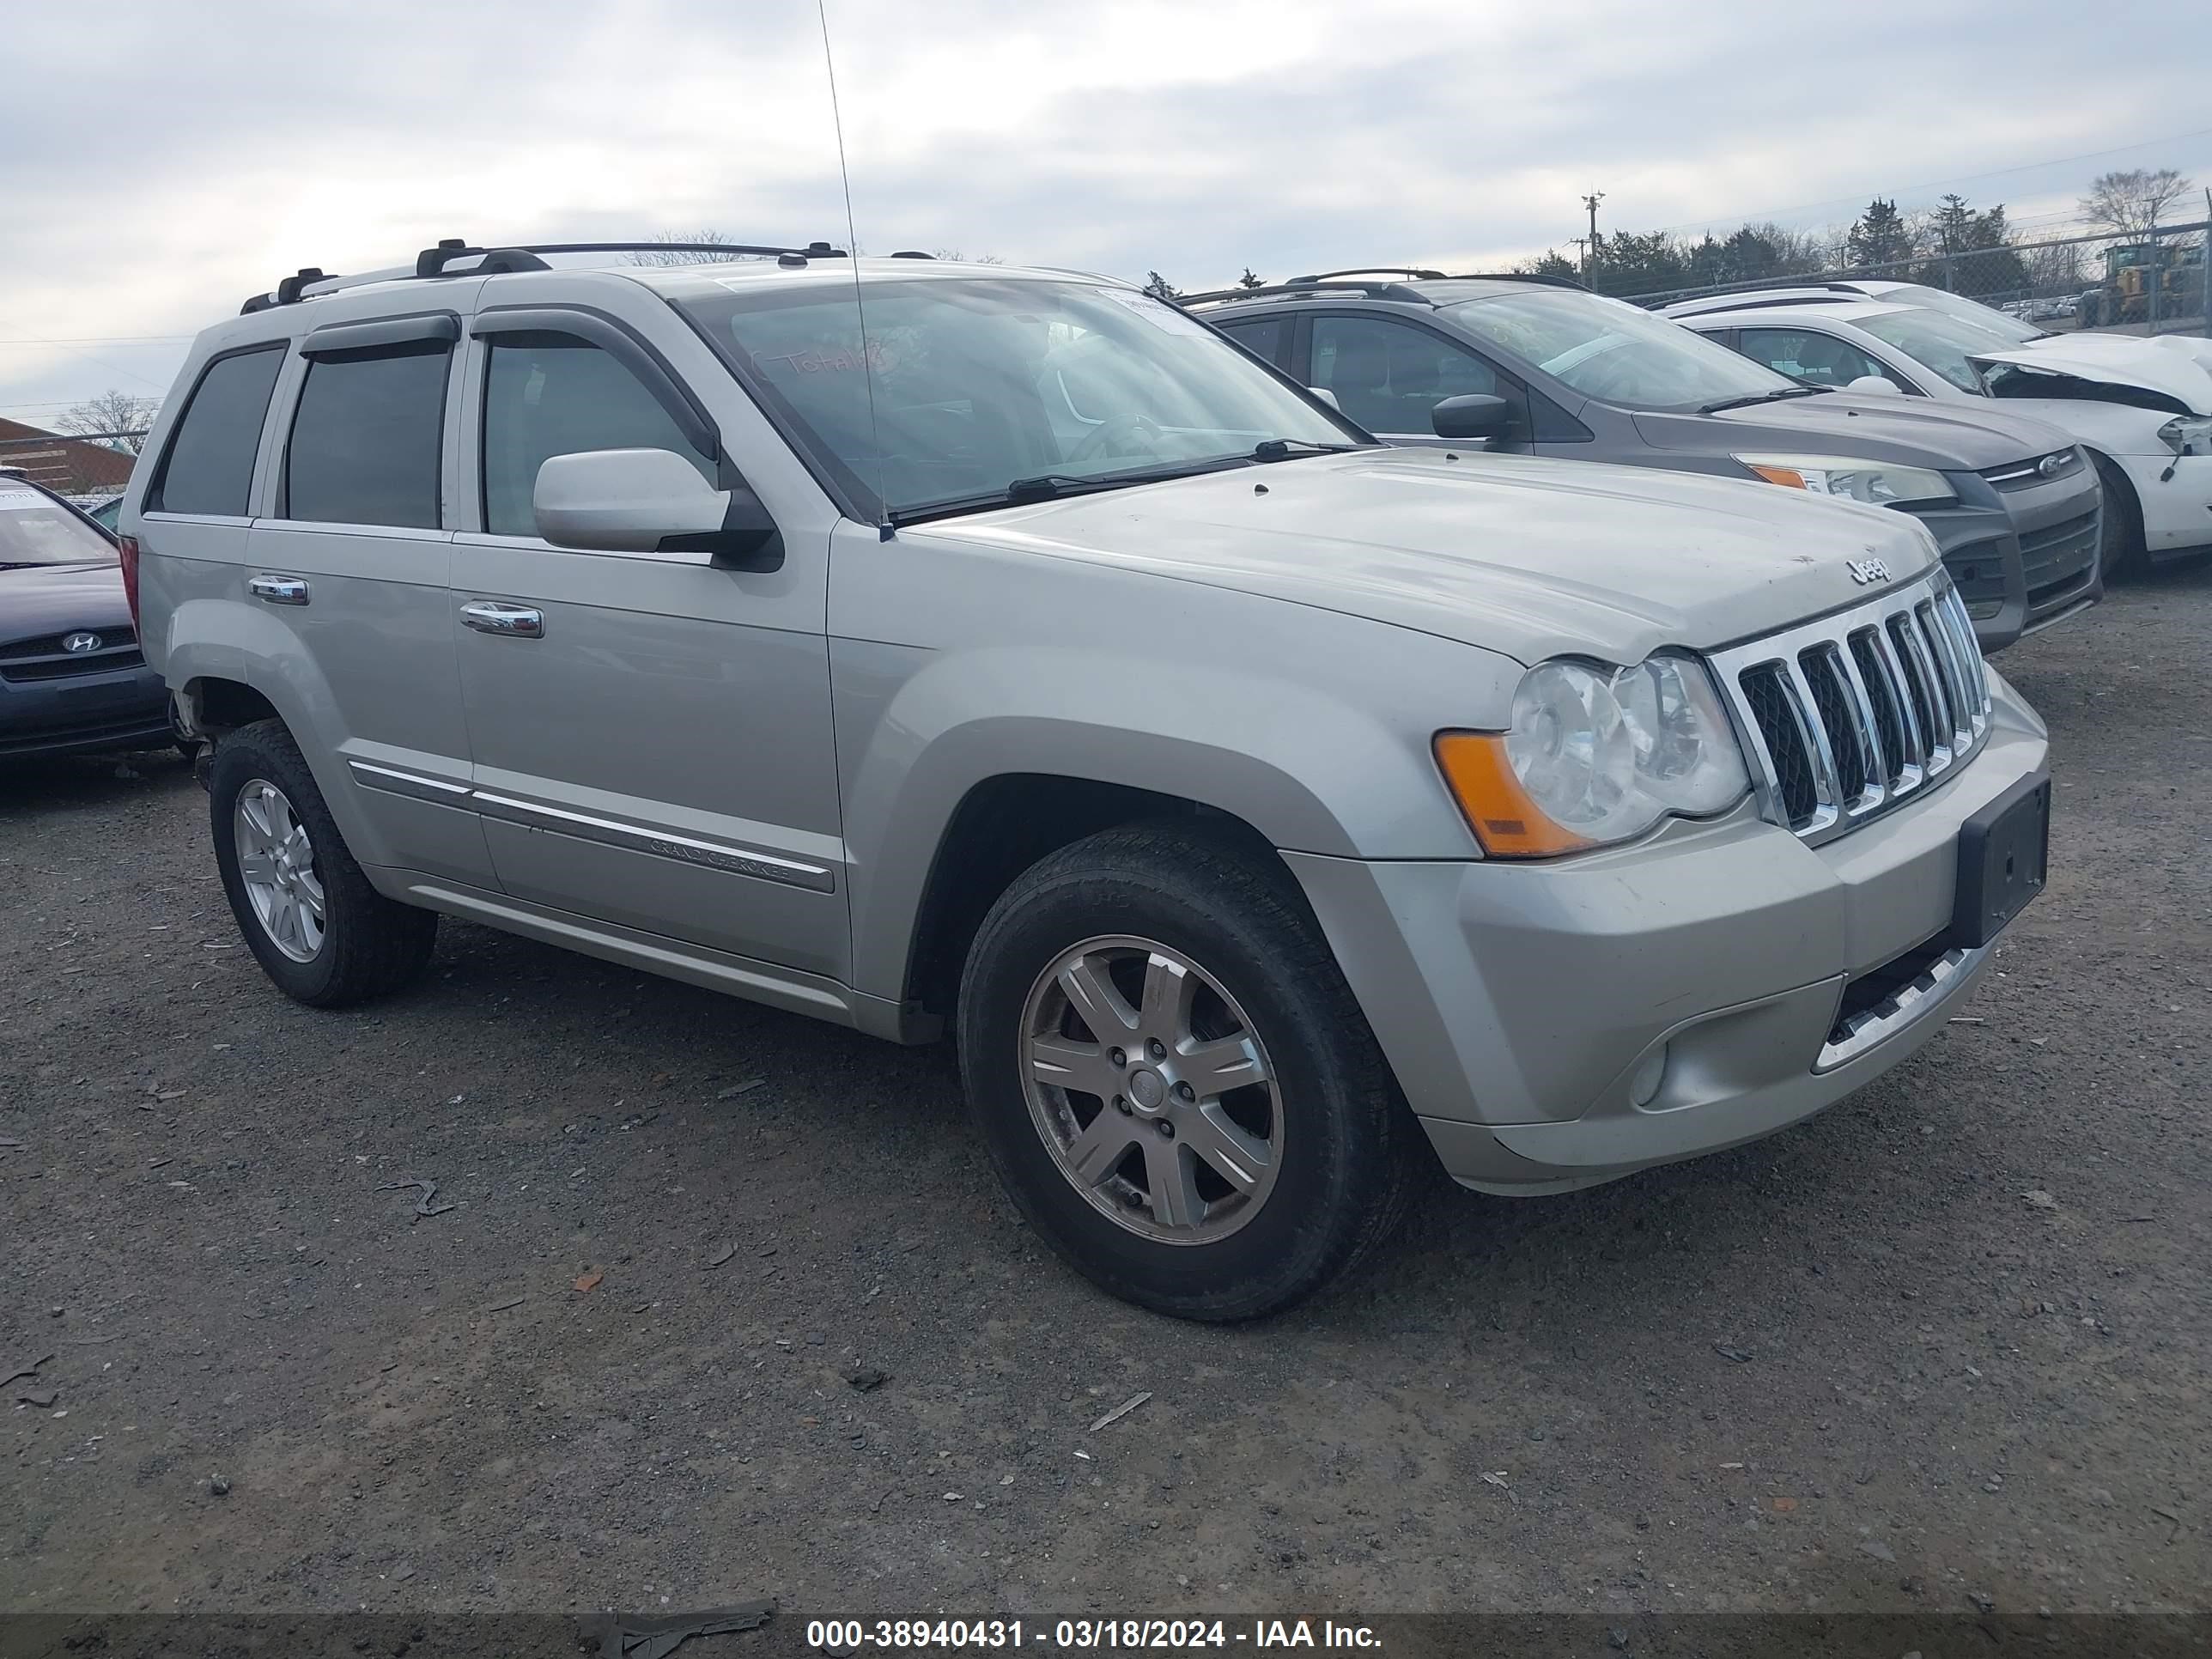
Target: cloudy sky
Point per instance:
(162, 159)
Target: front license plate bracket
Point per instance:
(2004, 855)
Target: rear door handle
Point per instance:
(277, 590)
(516, 622)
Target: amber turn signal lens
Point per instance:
(1789, 476)
(1504, 820)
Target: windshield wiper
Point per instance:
(1052, 486)
(1745, 402)
(1282, 449)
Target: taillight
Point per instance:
(127, 548)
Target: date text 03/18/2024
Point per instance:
(852, 1635)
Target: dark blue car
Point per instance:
(71, 675)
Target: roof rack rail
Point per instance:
(912, 254)
(1544, 278)
(1332, 281)
(311, 282)
(1414, 271)
(1320, 285)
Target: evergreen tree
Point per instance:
(1880, 236)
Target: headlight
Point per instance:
(2188, 434)
(1596, 754)
(1878, 483)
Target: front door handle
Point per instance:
(277, 590)
(516, 622)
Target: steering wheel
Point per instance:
(1111, 433)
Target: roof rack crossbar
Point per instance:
(439, 261)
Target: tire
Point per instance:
(362, 945)
(2120, 549)
(1264, 998)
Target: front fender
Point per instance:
(1313, 756)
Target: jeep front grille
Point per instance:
(1847, 717)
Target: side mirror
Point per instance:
(1326, 397)
(650, 501)
(1476, 415)
(1875, 386)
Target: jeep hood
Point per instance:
(1533, 558)
(2170, 366)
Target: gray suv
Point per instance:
(1270, 814)
(1540, 366)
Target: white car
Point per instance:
(2143, 408)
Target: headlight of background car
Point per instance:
(1878, 483)
(1596, 754)
(2188, 434)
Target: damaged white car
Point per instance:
(2141, 408)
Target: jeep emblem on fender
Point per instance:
(1866, 571)
(77, 644)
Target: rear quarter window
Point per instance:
(208, 467)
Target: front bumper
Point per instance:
(1517, 1002)
(122, 708)
(2024, 557)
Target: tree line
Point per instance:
(1976, 250)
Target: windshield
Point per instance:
(981, 384)
(1608, 349)
(1936, 338)
(36, 529)
(2010, 330)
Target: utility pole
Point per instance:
(1590, 247)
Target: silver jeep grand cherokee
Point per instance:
(1269, 813)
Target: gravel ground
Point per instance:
(1949, 1341)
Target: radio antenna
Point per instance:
(859, 308)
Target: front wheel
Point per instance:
(1174, 1079)
(308, 913)
(2120, 548)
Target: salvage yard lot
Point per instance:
(1950, 1340)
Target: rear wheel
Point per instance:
(306, 910)
(1174, 1079)
(2120, 551)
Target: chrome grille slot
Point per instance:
(1849, 716)
(1848, 731)
(1782, 731)
(1883, 694)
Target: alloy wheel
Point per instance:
(1151, 1090)
(277, 866)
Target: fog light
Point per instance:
(1643, 1087)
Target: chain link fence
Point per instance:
(2153, 284)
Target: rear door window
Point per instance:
(1809, 356)
(209, 468)
(367, 436)
(553, 394)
